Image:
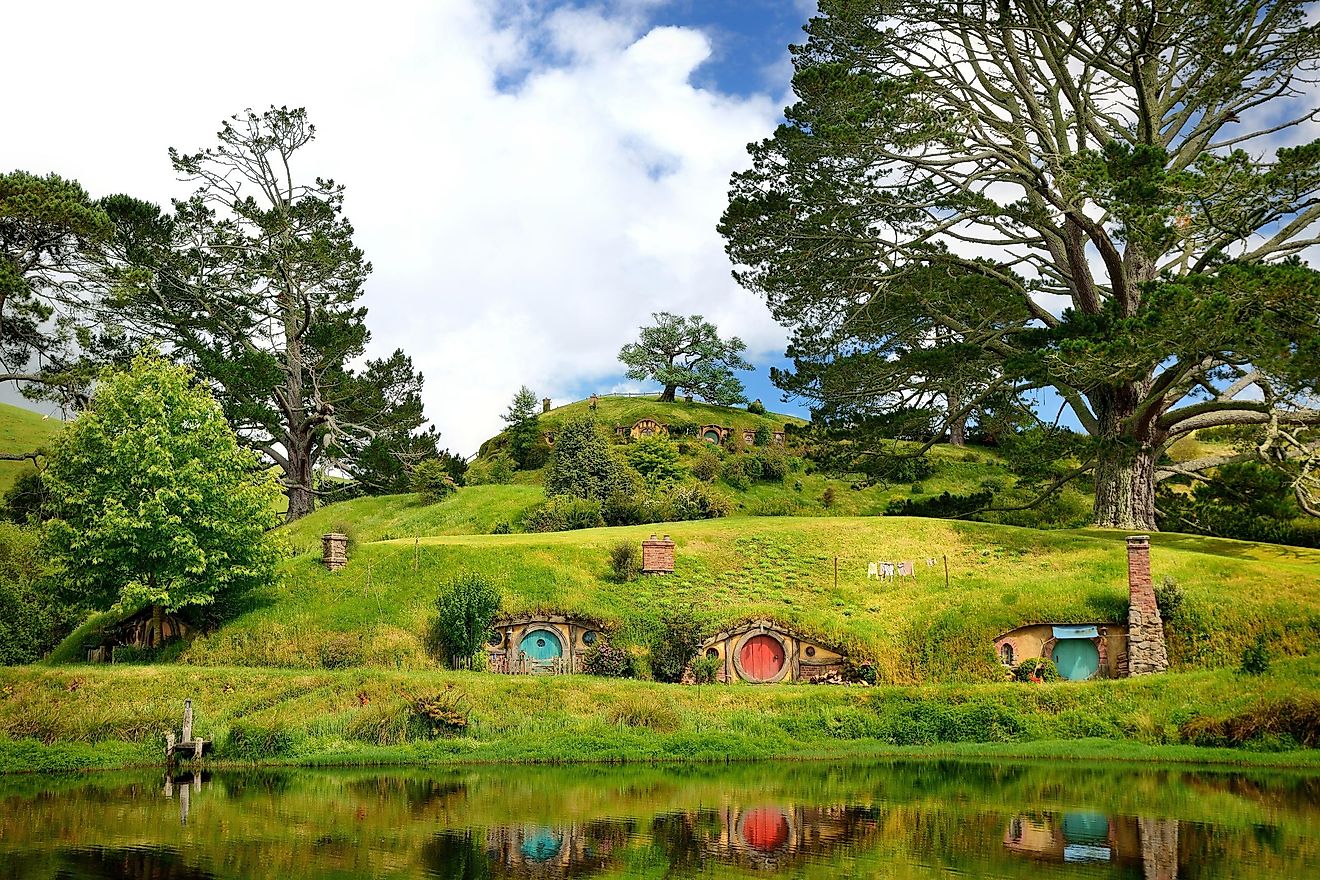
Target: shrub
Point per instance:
(707, 466)
(734, 473)
(698, 502)
(827, 497)
(762, 436)
(583, 465)
(1256, 657)
(625, 561)
(652, 714)
(679, 638)
(797, 485)
(706, 670)
(942, 505)
(27, 499)
(1283, 723)
(563, 513)
(502, 528)
(465, 609)
(1169, 598)
(606, 660)
(917, 489)
(443, 713)
(495, 469)
(752, 467)
(756, 408)
(536, 455)
(255, 742)
(992, 484)
(339, 650)
(656, 459)
(33, 619)
(431, 480)
(1041, 667)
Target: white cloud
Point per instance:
(529, 188)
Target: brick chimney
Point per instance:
(545, 404)
(658, 556)
(1146, 650)
(334, 550)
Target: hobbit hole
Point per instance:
(762, 652)
(544, 644)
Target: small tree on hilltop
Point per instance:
(583, 465)
(465, 608)
(687, 353)
(524, 430)
(156, 503)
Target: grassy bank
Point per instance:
(914, 630)
(78, 717)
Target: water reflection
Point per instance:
(914, 820)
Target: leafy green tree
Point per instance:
(524, 429)
(32, 618)
(254, 282)
(583, 465)
(432, 481)
(656, 459)
(1113, 157)
(156, 502)
(687, 353)
(465, 609)
(51, 239)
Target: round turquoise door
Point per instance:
(541, 644)
(1077, 659)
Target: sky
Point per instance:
(530, 180)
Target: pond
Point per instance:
(913, 819)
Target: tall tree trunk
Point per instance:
(298, 481)
(157, 624)
(957, 423)
(1125, 463)
(667, 396)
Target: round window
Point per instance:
(496, 638)
(540, 643)
(712, 653)
(589, 638)
(811, 652)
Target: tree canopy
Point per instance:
(524, 429)
(254, 281)
(687, 353)
(1105, 199)
(155, 501)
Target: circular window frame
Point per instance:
(495, 639)
(737, 656)
(590, 637)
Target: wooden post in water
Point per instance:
(187, 721)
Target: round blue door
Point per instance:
(1077, 659)
(541, 644)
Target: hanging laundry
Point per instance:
(872, 570)
(930, 561)
(887, 570)
(906, 569)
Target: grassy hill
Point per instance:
(22, 430)
(377, 610)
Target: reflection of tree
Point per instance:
(420, 793)
(456, 855)
(681, 836)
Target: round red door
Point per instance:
(762, 657)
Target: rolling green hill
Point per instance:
(22, 430)
(377, 610)
(620, 410)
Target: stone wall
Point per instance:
(334, 551)
(1146, 649)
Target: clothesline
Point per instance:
(886, 571)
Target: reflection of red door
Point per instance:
(762, 657)
(765, 828)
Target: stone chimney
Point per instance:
(1146, 649)
(658, 556)
(545, 404)
(334, 550)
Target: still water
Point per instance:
(902, 820)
